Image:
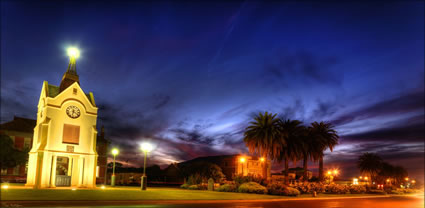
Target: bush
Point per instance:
(203, 186)
(194, 179)
(185, 186)
(308, 188)
(252, 187)
(357, 189)
(404, 191)
(291, 192)
(282, 189)
(193, 187)
(227, 188)
(239, 179)
(337, 189)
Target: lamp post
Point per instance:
(242, 160)
(332, 174)
(145, 147)
(115, 152)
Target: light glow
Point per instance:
(73, 52)
(146, 147)
(73, 189)
(102, 187)
(115, 151)
(355, 181)
(5, 186)
(407, 179)
(242, 159)
(262, 159)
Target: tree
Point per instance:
(291, 132)
(325, 137)
(202, 170)
(263, 136)
(399, 174)
(117, 165)
(310, 149)
(371, 164)
(10, 157)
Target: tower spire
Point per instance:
(70, 75)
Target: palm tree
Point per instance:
(291, 132)
(399, 174)
(309, 149)
(325, 137)
(370, 163)
(263, 137)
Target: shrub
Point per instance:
(203, 186)
(185, 186)
(227, 188)
(282, 189)
(193, 187)
(194, 179)
(252, 187)
(357, 189)
(289, 191)
(397, 191)
(276, 188)
(239, 179)
(403, 191)
(308, 188)
(337, 189)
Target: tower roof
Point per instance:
(70, 75)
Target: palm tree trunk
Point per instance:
(305, 168)
(321, 168)
(286, 171)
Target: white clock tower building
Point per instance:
(64, 144)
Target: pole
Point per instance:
(113, 173)
(144, 182)
(144, 167)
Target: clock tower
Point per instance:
(64, 144)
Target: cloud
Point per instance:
(404, 103)
(301, 65)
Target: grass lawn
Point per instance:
(134, 193)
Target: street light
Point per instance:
(242, 160)
(73, 52)
(145, 147)
(115, 152)
(262, 159)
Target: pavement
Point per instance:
(410, 201)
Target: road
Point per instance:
(386, 202)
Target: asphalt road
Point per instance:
(387, 202)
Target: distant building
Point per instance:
(293, 174)
(296, 173)
(233, 165)
(21, 131)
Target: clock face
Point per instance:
(73, 111)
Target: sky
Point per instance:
(189, 76)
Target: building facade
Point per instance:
(64, 143)
(232, 165)
(20, 130)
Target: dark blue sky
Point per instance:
(189, 76)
